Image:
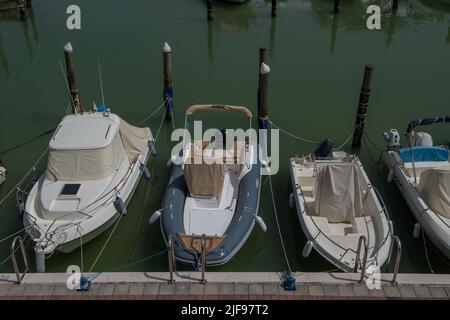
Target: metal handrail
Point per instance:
(171, 257)
(14, 260)
(362, 240)
(397, 242)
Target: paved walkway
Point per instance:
(242, 286)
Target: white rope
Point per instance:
(159, 129)
(106, 243)
(23, 178)
(426, 251)
(12, 235)
(345, 142)
(278, 225)
(293, 135)
(153, 113)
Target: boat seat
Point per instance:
(347, 241)
(308, 191)
(322, 224)
(423, 166)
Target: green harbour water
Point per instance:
(317, 62)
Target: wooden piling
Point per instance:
(76, 102)
(262, 59)
(21, 7)
(167, 91)
(336, 6)
(363, 104)
(394, 4)
(264, 86)
(209, 7)
(274, 8)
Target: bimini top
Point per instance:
(426, 121)
(85, 131)
(218, 107)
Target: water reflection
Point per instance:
(353, 15)
(4, 61)
(30, 39)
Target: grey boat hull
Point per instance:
(237, 232)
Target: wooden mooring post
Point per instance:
(76, 102)
(394, 4)
(168, 90)
(363, 104)
(336, 6)
(21, 6)
(262, 59)
(209, 9)
(274, 8)
(263, 115)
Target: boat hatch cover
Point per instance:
(70, 189)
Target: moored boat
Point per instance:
(212, 197)
(339, 210)
(421, 171)
(95, 161)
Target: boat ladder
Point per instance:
(395, 241)
(362, 241)
(202, 250)
(19, 276)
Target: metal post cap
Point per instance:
(68, 47)
(166, 48)
(265, 69)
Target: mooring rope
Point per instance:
(23, 178)
(95, 275)
(293, 135)
(106, 243)
(153, 113)
(12, 235)
(426, 251)
(278, 225)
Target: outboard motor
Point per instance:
(392, 138)
(324, 149)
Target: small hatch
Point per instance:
(70, 189)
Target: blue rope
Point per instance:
(128, 264)
(169, 93)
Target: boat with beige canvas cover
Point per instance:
(421, 170)
(339, 211)
(95, 161)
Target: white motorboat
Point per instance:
(422, 173)
(2, 174)
(94, 164)
(339, 211)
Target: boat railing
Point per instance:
(395, 241)
(171, 257)
(362, 243)
(19, 276)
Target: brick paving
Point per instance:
(220, 291)
(226, 286)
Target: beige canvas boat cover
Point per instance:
(204, 180)
(134, 139)
(93, 164)
(434, 186)
(218, 107)
(338, 192)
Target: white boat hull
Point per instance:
(344, 258)
(433, 225)
(65, 237)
